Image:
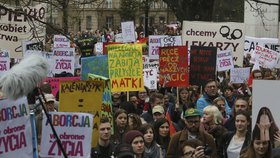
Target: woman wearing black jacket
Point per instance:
(234, 143)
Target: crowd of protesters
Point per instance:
(212, 121)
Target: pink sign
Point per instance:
(54, 82)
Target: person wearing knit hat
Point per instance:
(124, 151)
(136, 139)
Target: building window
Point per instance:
(109, 4)
(161, 19)
(109, 21)
(88, 22)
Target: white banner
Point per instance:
(251, 43)
(265, 57)
(63, 60)
(29, 47)
(74, 131)
(4, 61)
(60, 41)
(145, 61)
(224, 36)
(154, 44)
(224, 60)
(167, 41)
(99, 48)
(17, 27)
(15, 129)
(239, 75)
(150, 78)
(266, 94)
(128, 31)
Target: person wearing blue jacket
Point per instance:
(210, 93)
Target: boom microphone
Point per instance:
(24, 77)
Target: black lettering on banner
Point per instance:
(202, 64)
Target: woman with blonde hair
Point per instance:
(212, 122)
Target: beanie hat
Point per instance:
(130, 135)
(124, 150)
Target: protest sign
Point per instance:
(266, 94)
(15, 129)
(150, 78)
(125, 67)
(251, 43)
(106, 108)
(97, 65)
(167, 41)
(154, 44)
(63, 60)
(60, 41)
(86, 46)
(54, 82)
(145, 60)
(4, 61)
(119, 38)
(17, 27)
(29, 47)
(74, 131)
(82, 96)
(128, 31)
(174, 66)
(98, 48)
(239, 75)
(224, 60)
(203, 64)
(223, 35)
(265, 57)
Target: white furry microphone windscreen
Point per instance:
(24, 77)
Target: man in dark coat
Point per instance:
(192, 131)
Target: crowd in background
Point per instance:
(187, 122)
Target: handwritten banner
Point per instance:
(63, 60)
(251, 43)
(174, 66)
(60, 41)
(98, 48)
(4, 61)
(82, 96)
(203, 64)
(239, 75)
(265, 57)
(74, 131)
(224, 60)
(54, 82)
(154, 44)
(106, 108)
(97, 65)
(128, 31)
(125, 67)
(150, 78)
(167, 41)
(15, 129)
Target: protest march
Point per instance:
(192, 93)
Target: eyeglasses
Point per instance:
(193, 121)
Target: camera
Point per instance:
(207, 150)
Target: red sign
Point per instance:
(173, 63)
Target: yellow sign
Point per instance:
(82, 96)
(125, 67)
